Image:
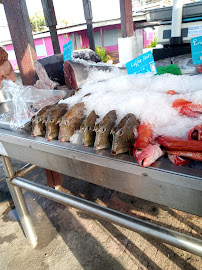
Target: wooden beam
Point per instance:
(75, 44)
(89, 17)
(126, 18)
(102, 37)
(51, 22)
(21, 34)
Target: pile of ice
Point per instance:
(144, 96)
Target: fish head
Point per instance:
(52, 128)
(66, 130)
(147, 156)
(120, 142)
(38, 127)
(88, 135)
(102, 139)
(178, 160)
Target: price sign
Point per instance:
(142, 64)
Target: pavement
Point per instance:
(71, 239)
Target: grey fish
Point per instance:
(71, 121)
(51, 121)
(38, 126)
(123, 134)
(103, 129)
(87, 128)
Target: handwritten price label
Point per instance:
(68, 50)
(196, 50)
(142, 64)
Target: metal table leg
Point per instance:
(19, 202)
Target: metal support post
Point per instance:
(20, 204)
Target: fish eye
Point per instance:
(88, 128)
(39, 119)
(120, 133)
(51, 121)
(66, 122)
(103, 129)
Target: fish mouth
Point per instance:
(49, 138)
(113, 153)
(85, 145)
(99, 147)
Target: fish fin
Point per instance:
(59, 121)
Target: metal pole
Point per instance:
(51, 22)
(20, 203)
(25, 170)
(179, 240)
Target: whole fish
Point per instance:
(103, 129)
(144, 137)
(148, 155)
(51, 121)
(38, 127)
(187, 108)
(71, 121)
(123, 134)
(187, 154)
(87, 128)
(181, 144)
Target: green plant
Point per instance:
(153, 43)
(102, 53)
(37, 22)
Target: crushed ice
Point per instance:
(142, 95)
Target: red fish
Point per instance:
(69, 74)
(189, 154)
(177, 160)
(175, 143)
(199, 68)
(145, 150)
(171, 92)
(145, 136)
(187, 108)
(147, 156)
(195, 133)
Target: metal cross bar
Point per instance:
(174, 238)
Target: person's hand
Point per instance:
(6, 72)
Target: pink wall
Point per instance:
(48, 44)
(9, 47)
(63, 39)
(38, 41)
(112, 48)
(148, 37)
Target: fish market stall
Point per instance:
(162, 182)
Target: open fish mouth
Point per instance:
(113, 153)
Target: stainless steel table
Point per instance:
(163, 183)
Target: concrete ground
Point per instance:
(70, 239)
